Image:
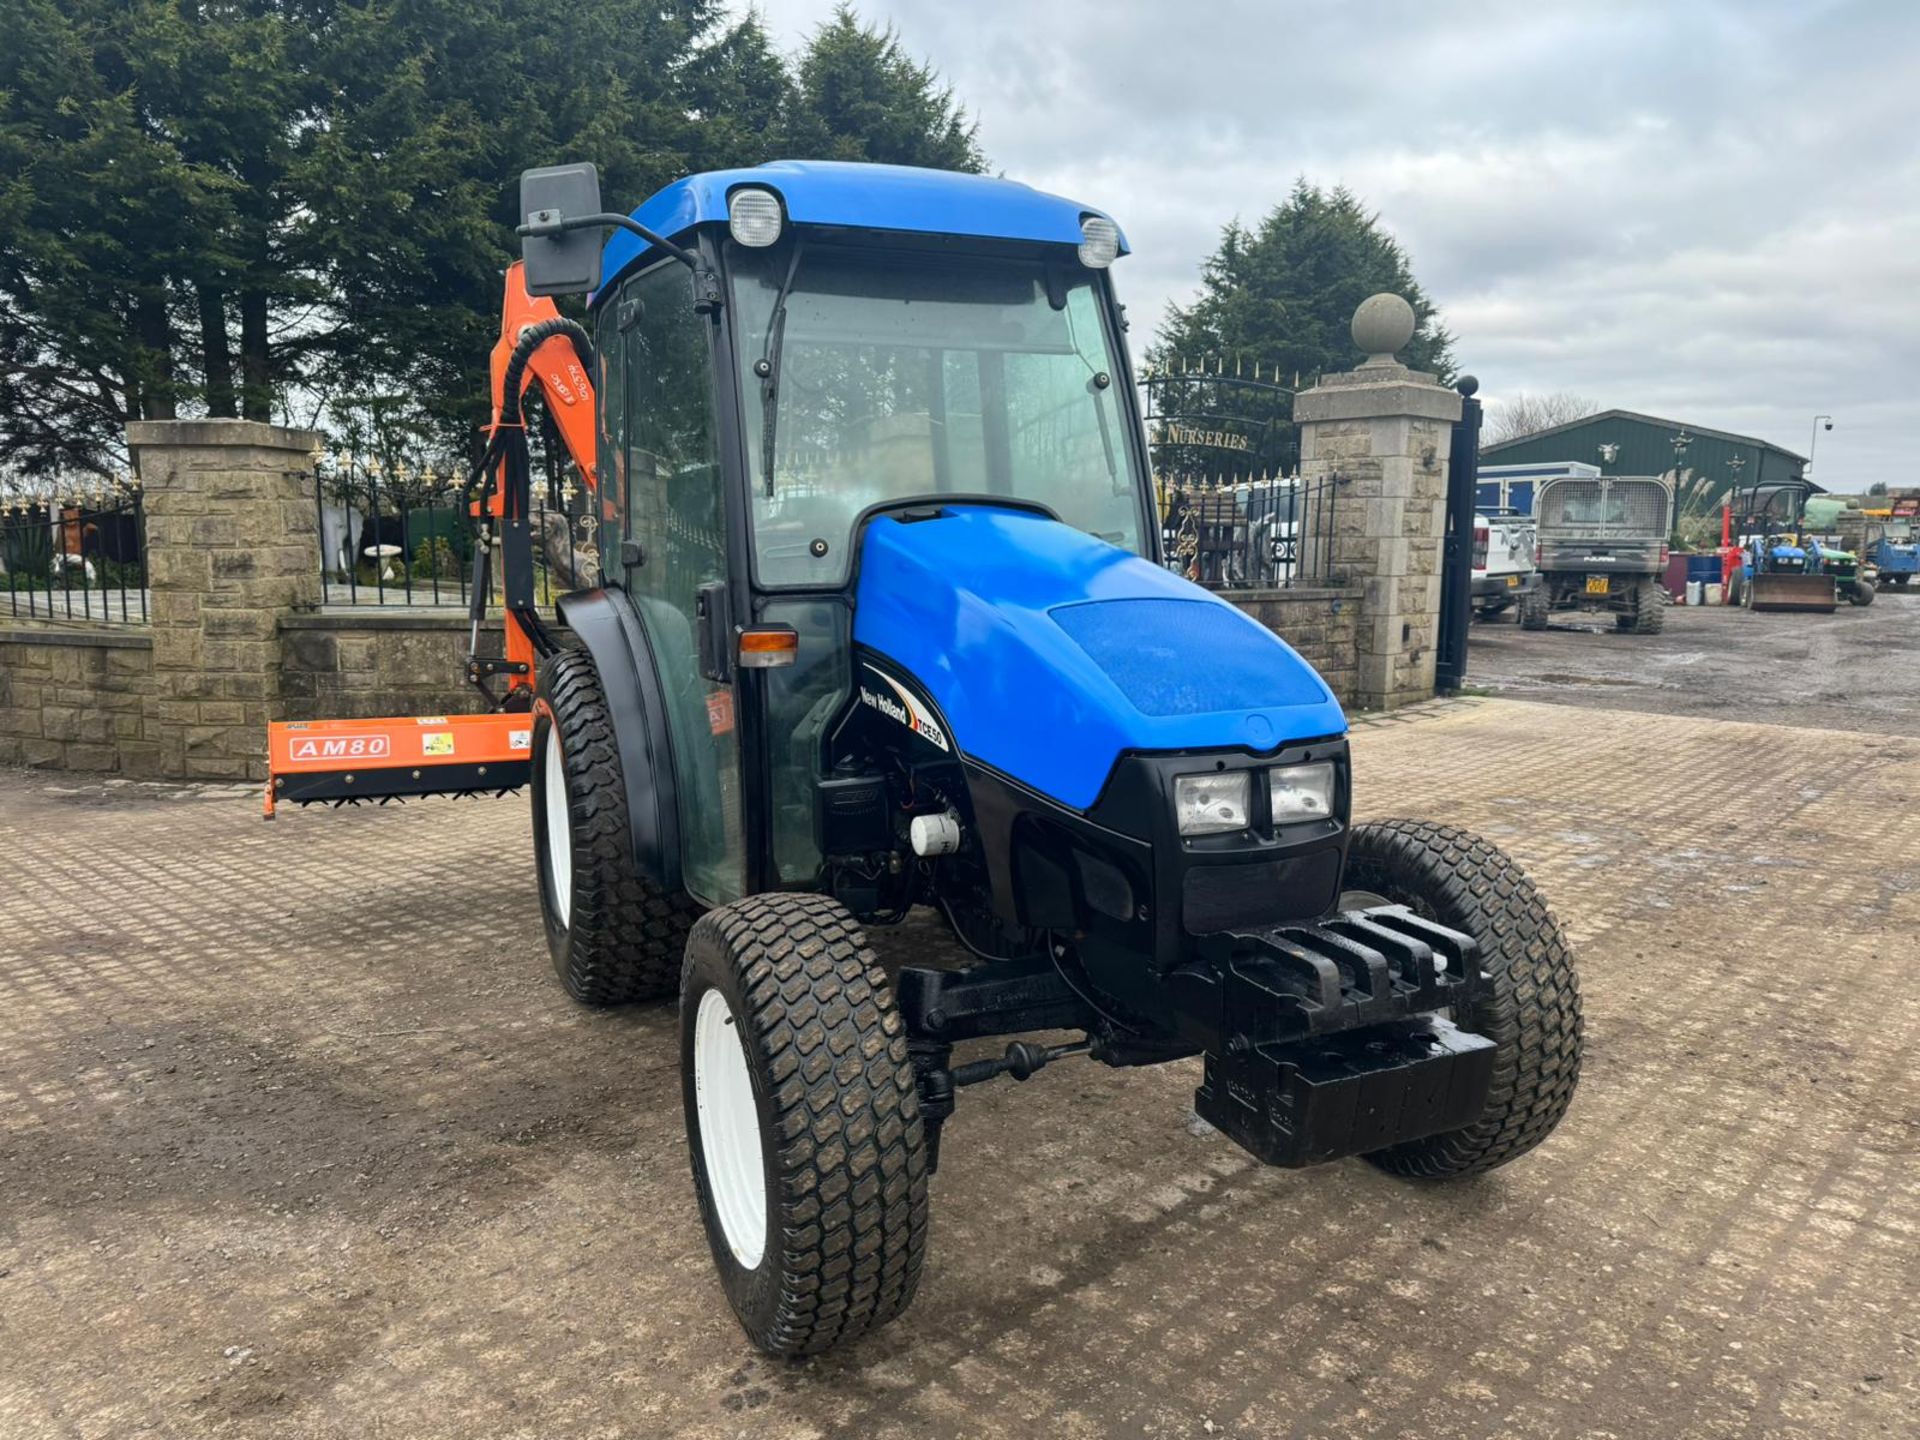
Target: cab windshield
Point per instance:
(900, 375)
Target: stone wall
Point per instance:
(91, 700)
(1319, 623)
(353, 666)
(1386, 431)
(231, 541)
(77, 700)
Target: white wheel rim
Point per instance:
(729, 1130)
(559, 830)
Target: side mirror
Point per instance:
(560, 261)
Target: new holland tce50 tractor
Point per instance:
(883, 627)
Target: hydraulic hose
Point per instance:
(531, 339)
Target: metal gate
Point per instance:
(1456, 563)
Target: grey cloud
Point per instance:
(1704, 210)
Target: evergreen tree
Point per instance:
(862, 97)
(1282, 294)
(298, 209)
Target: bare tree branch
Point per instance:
(1526, 414)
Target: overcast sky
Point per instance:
(1709, 212)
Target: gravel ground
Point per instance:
(1851, 670)
(299, 1138)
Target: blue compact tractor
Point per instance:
(882, 629)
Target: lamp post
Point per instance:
(1680, 443)
(1814, 440)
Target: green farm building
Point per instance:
(1645, 445)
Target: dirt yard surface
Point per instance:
(298, 1137)
(1852, 670)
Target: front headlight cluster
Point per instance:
(1215, 804)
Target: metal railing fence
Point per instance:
(1250, 532)
(409, 542)
(81, 557)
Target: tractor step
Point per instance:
(338, 762)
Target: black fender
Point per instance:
(608, 626)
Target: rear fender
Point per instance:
(609, 627)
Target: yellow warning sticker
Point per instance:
(438, 743)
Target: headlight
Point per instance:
(1209, 804)
(1302, 792)
(1099, 242)
(753, 217)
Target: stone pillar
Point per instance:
(1386, 432)
(231, 547)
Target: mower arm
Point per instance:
(345, 761)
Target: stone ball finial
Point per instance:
(1383, 324)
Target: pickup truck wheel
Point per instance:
(1531, 1010)
(802, 1108)
(1533, 610)
(613, 935)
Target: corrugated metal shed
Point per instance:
(1646, 448)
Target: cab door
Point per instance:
(666, 500)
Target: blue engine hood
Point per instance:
(1052, 653)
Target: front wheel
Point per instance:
(1860, 593)
(802, 1109)
(1530, 1009)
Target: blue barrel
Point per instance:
(1704, 568)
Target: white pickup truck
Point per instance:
(1502, 560)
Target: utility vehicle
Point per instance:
(884, 624)
(1892, 550)
(1503, 571)
(1602, 546)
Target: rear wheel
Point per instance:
(1649, 615)
(1530, 1010)
(1860, 593)
(809, 1157)
(1533, 610)
(613, 935)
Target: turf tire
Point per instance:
(1860, 593)
(620, 938)
(842, 1148)
(1531, 1010)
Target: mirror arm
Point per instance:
(548, 222)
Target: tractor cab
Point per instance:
(868, 342)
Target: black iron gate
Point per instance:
(1456, 566)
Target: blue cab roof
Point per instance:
(873, 197)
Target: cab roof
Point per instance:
(872, 197)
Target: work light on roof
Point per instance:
(753, 217)
(1099, 242)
